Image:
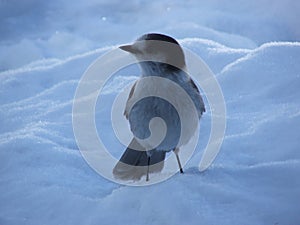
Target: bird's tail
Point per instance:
(133, 163)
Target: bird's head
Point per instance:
(157, 50)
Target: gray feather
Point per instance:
(133, 163)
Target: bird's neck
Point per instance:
(150, 68)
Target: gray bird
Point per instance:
(154, 61)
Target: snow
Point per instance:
(252, 47)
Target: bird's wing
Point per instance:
(126, 111)
(200, 104)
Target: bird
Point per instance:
(154, 61)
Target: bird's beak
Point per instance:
(128, 48)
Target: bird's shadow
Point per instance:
(195, 171)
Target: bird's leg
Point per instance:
(176, 150)
(147, 176)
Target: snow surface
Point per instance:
(252, 47)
